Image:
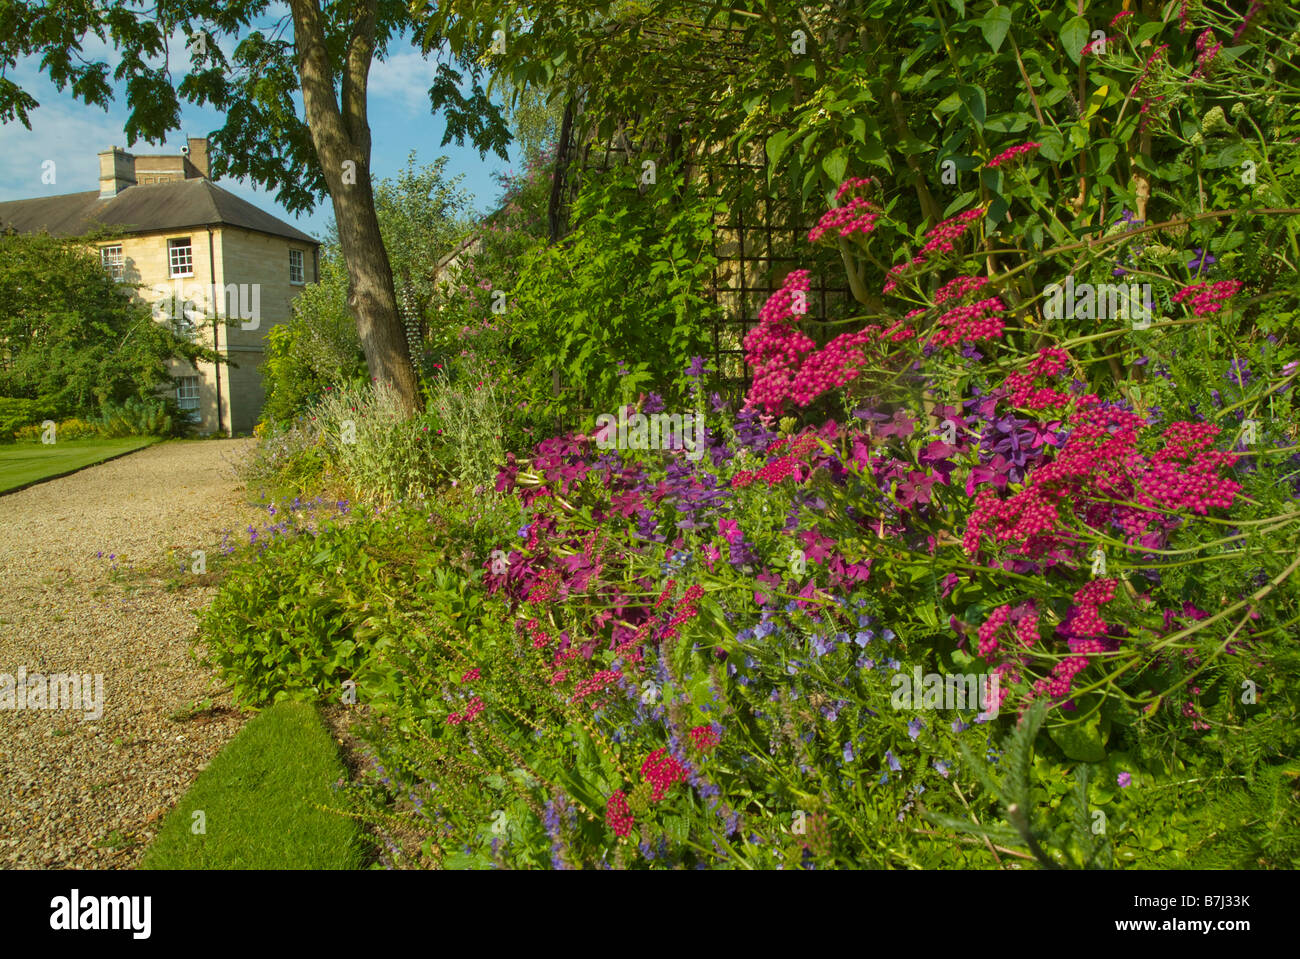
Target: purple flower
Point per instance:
(1201, 262)
(1123, 779)
(1238, 373)
(894, 764)
(914, 728)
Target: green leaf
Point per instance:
(1085, 742)
(994, 25)
(1074, 37)
(1146, 32)
(1106, 156)
(975, 101)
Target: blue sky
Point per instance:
(72, 134)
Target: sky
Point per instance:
(72, 134)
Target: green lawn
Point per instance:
(22, 464)
(259, 800)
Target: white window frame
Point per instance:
(116, 267)
(302, 268)
(173, 246)
(188, 396)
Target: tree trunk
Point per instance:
(340, 133)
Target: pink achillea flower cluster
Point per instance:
(1101, 477)
(618, 814)
(858, 216)
(943, 236)
(988, 632)
(940, 238)
(1121, 18)
(1006, 156)
(1049, 362)
(662, 772)
(783, 466)
(853, 184)
(774, 348)
(974, 321)
(785, 363)
(470, 675)
(704, 738)
(1024, 621)
(958, 287)
(1207, 297)
(686, 610)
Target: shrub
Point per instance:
(290, 456)
(137, 417)
(380, 452)
(16, 412)
(478, 408)
(66, 430)
(318, 348)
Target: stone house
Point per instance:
(214, 265)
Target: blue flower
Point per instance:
(942, 766)
(864, 637)
(848, 752)
(914, 728)
(822, 645)
(894, 764)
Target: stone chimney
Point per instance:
(116, 172)
(197, 155)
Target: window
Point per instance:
(187, 395)
(180, 257)
(295, 266)
(110, 257)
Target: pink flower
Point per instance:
(617, 813)
(1008, 155)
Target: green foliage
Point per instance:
(75, 339)
(65, 430)
(383, 455)
(627, 285)
(474, 407)
(16, 412)
(137, 417)
(309, 613)
(318, 348)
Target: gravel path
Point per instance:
(85, 793)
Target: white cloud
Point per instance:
(403, 80)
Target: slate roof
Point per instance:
(151, 208)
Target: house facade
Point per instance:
(213, 265)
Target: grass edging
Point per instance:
(146, 442)
(259, 800)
